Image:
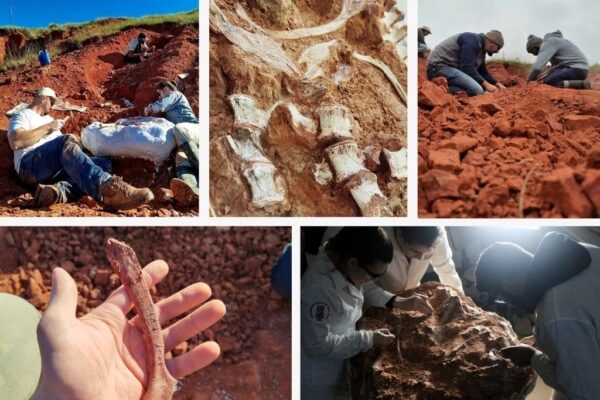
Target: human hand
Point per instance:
(382, 337)
(55, 125)
(101, 355)
(489, 87)
(417, 302)
(146, 111)
(520, 354)
(500, 86)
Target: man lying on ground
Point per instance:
(58, 167)
(138, 49)
(187, 132)
(569, 66)
(461, 60)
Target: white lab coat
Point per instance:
(567, 329)
(404, 273)
(330, 308)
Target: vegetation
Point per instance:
(81, 32)
(516, 63)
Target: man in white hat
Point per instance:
(423, 48)
(56, 164)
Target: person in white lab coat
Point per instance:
(415, 248)
(332, 299)
(561, 283)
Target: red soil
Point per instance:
(95, 76)
(528, 151)
(255, 334)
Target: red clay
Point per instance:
(527, 151)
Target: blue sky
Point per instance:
(41, 13)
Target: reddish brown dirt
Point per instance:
(452, 354)
(95, 76)
(528, 151)
(255, 335)
(368, 94)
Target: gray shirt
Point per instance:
(560, 53)
(567, 330)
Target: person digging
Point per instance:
(568, 65)
(461, 60)
(422, 32)
(138, 49)
(57, 166)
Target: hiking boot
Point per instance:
(582, 85)
(183, 193)
(45, 196)
(118, 194)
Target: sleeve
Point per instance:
(443, 264)
(375, 295)
(319, 312)
(547, 51)
(571, 363)
(17, 121)
(483, 71)
(164, 104)
(467, 58)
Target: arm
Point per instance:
(483, 71)
(443, 264)
(467, 58)
(375, 295)
(162, 105)
(570, 363)
(546, 52)
(19, 137)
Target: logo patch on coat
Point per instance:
(319, 311)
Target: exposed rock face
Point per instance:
(452, 354)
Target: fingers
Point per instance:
(153, 273)
(63, 300)
(196, 322)
(201, 356)
(177, 304)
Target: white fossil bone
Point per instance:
(336, 123)
(245, 148)
(395, 27)
(398, 162)
(314, 56)
(386, 71)
(299, 123)
(349, 9)
(343, 73)
(257, 43)
(261, 177)
(277, 9)
(367, 195)
(346, 159)
(246, 113)
(322, 173)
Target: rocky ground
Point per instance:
(452, 354)
(255, 335)
(528, 151)
(93, 75)
(287, 167)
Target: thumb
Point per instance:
(63, 300)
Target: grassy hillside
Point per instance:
(82, 32)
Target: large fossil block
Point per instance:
(452, 354)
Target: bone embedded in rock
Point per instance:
(246, 112)
(279, 10)
(322, 173)
(261, 177)
(367, 195)
(387, 71)
(245, 148)
(346, 159)
(299, 123)
(398, 162)
(314, 56)
(336, 123)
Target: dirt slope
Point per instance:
(528, 151)
(95, 76)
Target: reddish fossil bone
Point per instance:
(122, 258)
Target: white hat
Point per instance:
(46, 91)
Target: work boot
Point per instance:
(577, 84)
(118, 194)
(184, 193)
(46, 195)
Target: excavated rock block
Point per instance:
(439, 183)
(490, 108)
(593, 158)
(431, 95)
(581, 122)
(446, 159)
(591, 186)
(561, 189)
(452, 354)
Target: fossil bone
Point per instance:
(299, 123)
(386, 71)
(397, 160)
(314, 56)
(322, 173)
(276, 9)
(336, 123)
(244, 147)
(246, 113)
(367, 195)
(262, 180)
(346, 159)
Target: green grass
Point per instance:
(515, 63)
(83, 32)
(595, 68)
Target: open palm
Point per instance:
(102, 354)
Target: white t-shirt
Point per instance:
(133, 44)
(28, 120)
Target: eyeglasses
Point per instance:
(372, 274)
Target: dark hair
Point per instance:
(142, 35)
(421, 235)
(367, 244)
(500, 260)
(166, 84)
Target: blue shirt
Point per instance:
(176, 108)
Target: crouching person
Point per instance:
(57, 166)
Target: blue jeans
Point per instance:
(458, 81)
(559, 75)
(62, 162)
